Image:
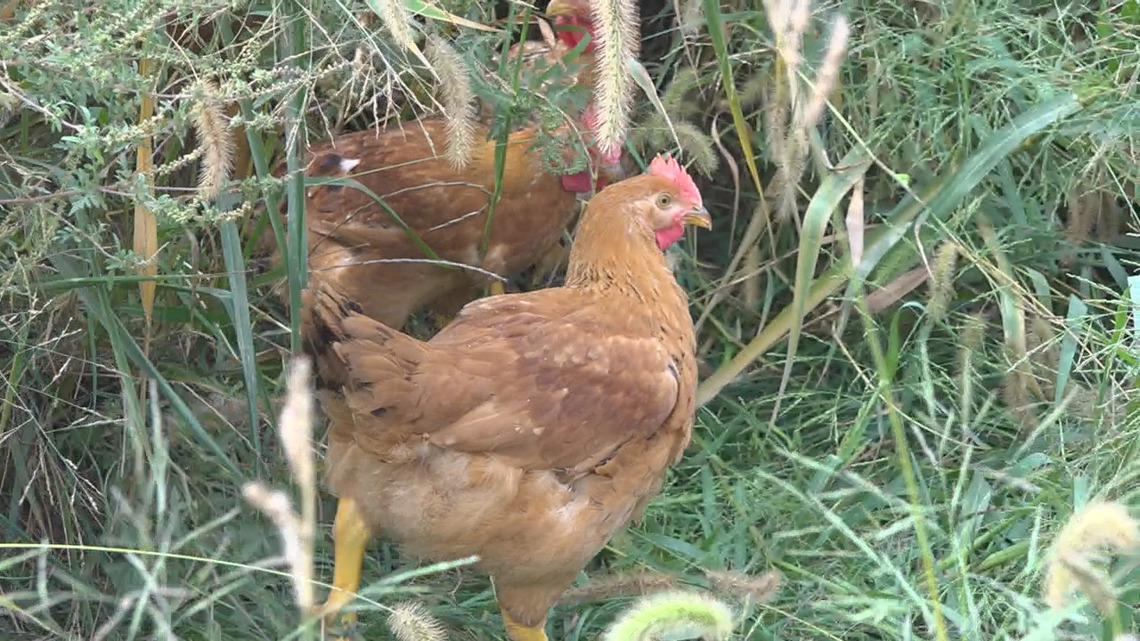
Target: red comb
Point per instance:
(666, 167)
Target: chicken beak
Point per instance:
(561, 8)
(699, 217)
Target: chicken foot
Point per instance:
(519, 632)
(350, 537)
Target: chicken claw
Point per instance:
(496, 288)
(519, 632)
(350, 537)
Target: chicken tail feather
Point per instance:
(348, 347)
(323, 312)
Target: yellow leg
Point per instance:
(350, 537)
(442, 320)
(496, 288)
(519, 632)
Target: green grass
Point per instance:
(903, 452)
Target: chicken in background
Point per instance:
(359, 250)
(533, 427)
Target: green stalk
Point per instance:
(297, 271)
(902, 447)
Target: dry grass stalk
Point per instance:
(856, 223)
(145, 242)
(790, 170)
(828, 77)
(789, 116)
(973, 332)
(891, 293)
(776, 111)
(458, 100)
(618, 585)
(296, 425)
(754, 588)
(789, 21)
(750, 290)
(1098, 527)
(277, 506)
(1019, 386)
(215, 144)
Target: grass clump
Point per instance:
(917, 314)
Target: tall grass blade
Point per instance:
(127, 351)
(827, 199)
(942, 197)
(243, 325)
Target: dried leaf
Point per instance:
(891, 293)
(146, 227)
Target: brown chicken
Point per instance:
(530, 429)
(361, 251)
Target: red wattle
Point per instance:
(571, 37)
(578, 183)
(669, 235)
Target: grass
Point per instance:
(918, 318)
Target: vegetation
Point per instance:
(918, 315)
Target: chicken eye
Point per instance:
(664, 201)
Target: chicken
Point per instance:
(533, 427)
(362, 251)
